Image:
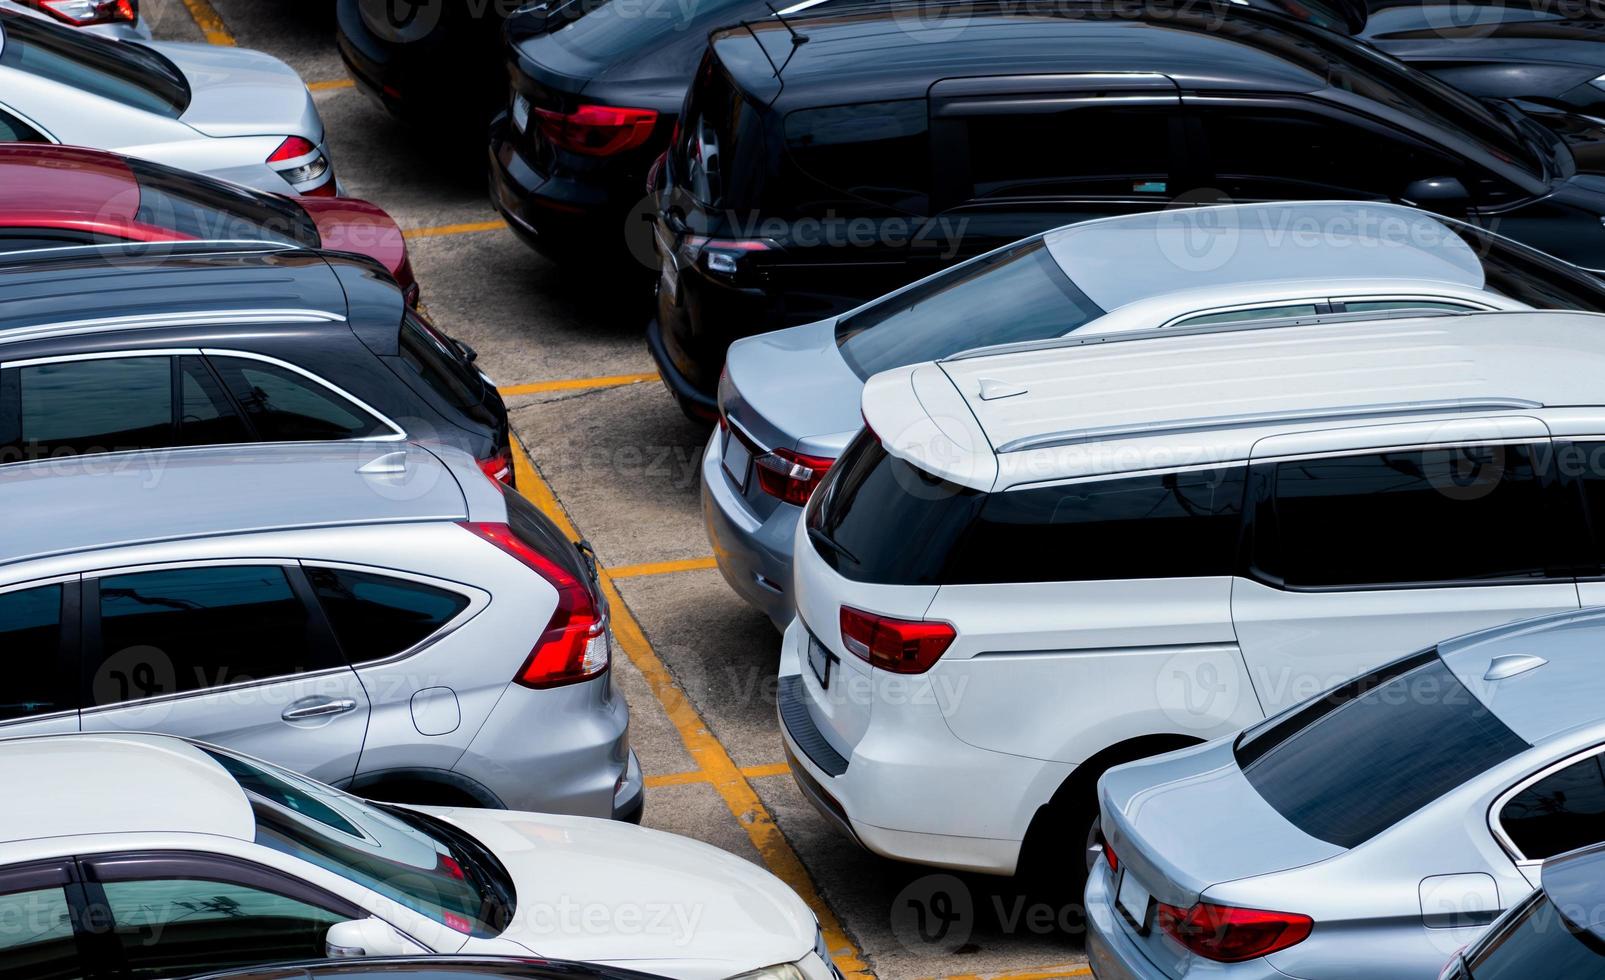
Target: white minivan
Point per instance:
(1034, 565)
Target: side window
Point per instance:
(1119, 152)
(1455, 514)
(1169, 526)
(1561, 812)
(188, 629)
(876, 151)
(378, 616)
(1585, 461)
(14, 130)
(206, 417)
(99, 405)
(286, 406)
(36, 936)
(1258, 313)
(30, 648)
(179, 926)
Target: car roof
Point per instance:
(84, 503)
(1116, 261)
(38, 178)
(1103, 404)
(1541, 676)
(118, 783)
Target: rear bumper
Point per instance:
(694, 402)
(754, 554)
(1111, 952)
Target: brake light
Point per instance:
(299, 161)
(596, 130)
(788, 475)
(457, 922)
(902, 646)
(498, 468)
(83, 13)
(574, 646)
(292, 147)
(1110, 856)
(1231, 935)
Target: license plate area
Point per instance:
(737, 460)
(1134, 901)
(520, 112)
(820, 661)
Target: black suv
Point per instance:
(825, 159)
(111, 348)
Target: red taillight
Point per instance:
(292, 147)
(902, 646)
(299, 161)
(788, 475)
(573, 647)
(1110, 856)
(1231, 935)
(83, 13)
(596, 130)
(498, 468)
(457, 922)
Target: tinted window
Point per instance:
(1459, 514)
(201, 207)
(1351, 763)
(193, 628)
(101, 405)
(608, 30)
(705, 160)
(36, 937)
(439, 364)
(286, 406)
(1559, 813)
(1118, 152)
(30, 643)
(206, 416)
(877, 151)
(179, 926)
(14, 130)
(1532, 277)
(377, 616)
(537, 531)
(1017, 294)
(1540, 941)
(131, 74)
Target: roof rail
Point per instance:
(70, 328)
(1079, 339)
(1445, 406)
(212, 246)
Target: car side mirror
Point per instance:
(1442, 195)
(367, 937)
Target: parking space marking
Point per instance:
(663, 567)
(698, 776)
(210, 22)
(331, 85)
(577, 384)
(464, 228)
(709, 754)
(1038, 973)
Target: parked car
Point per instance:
(872, 164)
(1374, 829)
(416, 634)
(211, 860)
(52, 196)
(1173, 538)
(239, 115)
(789, 400)
(1555, 931)
(121, 347)
(109, 18)
(431, 968)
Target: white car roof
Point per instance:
(1034, 416)
(82, 785)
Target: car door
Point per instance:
(1370, 543)
(40, 915)
(236, 653)
(39, 641)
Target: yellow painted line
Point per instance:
(698, 776)
(662, 567)
(710, 756)
(466, 228)
(1035, 973)
(331, 85)
(210, 22)
(578, 384)
(772, 769)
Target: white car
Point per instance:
(1034, 565)
(239, 115)
(191, 859)
(109, 18)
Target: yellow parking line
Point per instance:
(1036, 973)
(698, 776)
(706, 750)
(464, 228)
(576, 384)
(331, 85)
(772, 769)
(662, 567)
(210, 22)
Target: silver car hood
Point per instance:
(234, 92)
(1188, 820)
(791, 389)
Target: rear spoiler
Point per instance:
(922, 419)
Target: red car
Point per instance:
(56, 196)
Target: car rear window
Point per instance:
(1017, 294)
(126, 72)
(1353, 762)
(199, 206)
(874, 151)
(379, 616)
(438, 363)
(610, 30)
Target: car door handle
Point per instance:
(318, 709)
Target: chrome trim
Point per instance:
(70, 328)
(397, 433)
(1503, 799)
(184, 246)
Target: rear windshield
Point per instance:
(199, 206)
(607, 31)
(1351, 763)
(1016, 294)
(440, 365)
(126, 72)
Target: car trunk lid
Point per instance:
(243, 93)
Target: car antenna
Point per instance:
(797, 40)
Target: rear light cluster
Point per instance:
(574, 646)
(499, 467)
(790, 476)
(1110, 856)
(300, 162)
(902, 646)
(1231, 935)
(85, 13)
(724, 255)
(596, 130)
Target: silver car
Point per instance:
(120, 19)
(1557, 931)
(789, 400)
(378, 615)
(1369, 832)
(240, 115)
